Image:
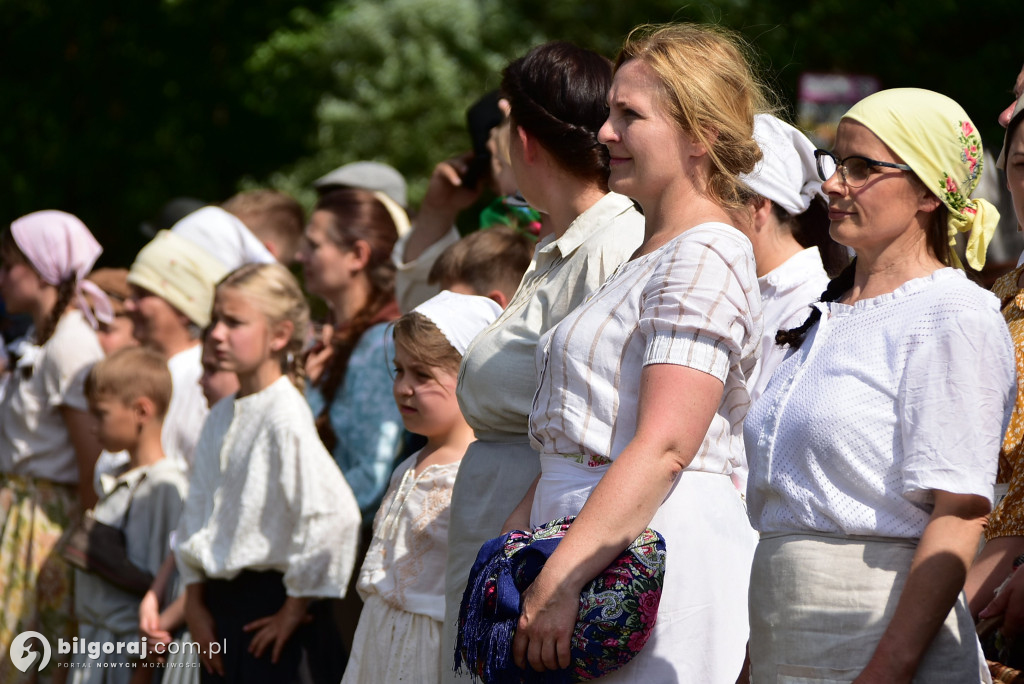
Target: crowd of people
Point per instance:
(678, 319)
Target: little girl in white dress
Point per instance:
(398, 638)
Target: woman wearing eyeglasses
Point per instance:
(873, 449)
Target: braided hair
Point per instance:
(836, 288)
(558, 93)
(65, 292)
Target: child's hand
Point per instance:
(276, 629)
(149, 614)
(149, 620)
(200, 624)
(149, 624)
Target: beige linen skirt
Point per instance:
(819, 606)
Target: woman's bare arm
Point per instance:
(675, 409)
(87, 450)
(937, 574)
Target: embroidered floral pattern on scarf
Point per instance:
(618, 609)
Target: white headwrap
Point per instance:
(223, 236)
(459, 317)
(786, 174)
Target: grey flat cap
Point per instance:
(367, 175)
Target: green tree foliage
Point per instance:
(111, 108)
(395, 78)
(401, 73)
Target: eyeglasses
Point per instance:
(854, 170)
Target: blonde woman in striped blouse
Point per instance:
(643, 387)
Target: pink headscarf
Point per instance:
(59, 247)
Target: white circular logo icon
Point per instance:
(23, 657)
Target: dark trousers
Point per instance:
(312, 655)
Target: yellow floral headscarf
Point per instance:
(933, 135)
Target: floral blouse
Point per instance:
(1008, 517)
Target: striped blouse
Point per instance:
(693, 302)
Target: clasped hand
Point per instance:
(544, 635)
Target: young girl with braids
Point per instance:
(47, 447)
(269, 523)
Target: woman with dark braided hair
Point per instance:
(873, 450)
(557, 93)
(346, 260)
(47, 446)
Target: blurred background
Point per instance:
(111, 108)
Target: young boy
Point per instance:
(489, 263)
(128, 394)
(276, 219)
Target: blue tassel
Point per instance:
(482, 645)
(485, 634)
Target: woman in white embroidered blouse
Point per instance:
(873, 450)
(642, 387)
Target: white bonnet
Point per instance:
(459, 317)
(786, 174)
